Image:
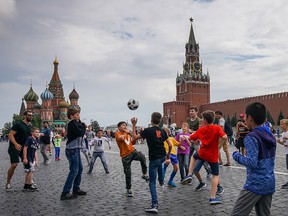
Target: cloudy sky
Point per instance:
(116, 50)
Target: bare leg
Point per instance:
(215, 181)
(11, 172)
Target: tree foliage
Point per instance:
(234, 121)
(270, 118)
(95, 126)
(7, 127)
(280, 117)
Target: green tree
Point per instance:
(95, 126)
(17, 118)
(7, 128)
(234, 121)
(280, 117)
(36, 121)
(228, 119)
(270, 118)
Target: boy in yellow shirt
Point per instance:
(173, 158)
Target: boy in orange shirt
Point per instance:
(209, 135)
(128, 154)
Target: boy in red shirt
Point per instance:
(209, 135)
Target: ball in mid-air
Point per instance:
(133, 104)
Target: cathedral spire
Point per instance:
(55, 77)
(191, 35)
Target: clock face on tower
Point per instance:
(196, 66)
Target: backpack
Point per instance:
(228, 129)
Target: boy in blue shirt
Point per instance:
(259, 160)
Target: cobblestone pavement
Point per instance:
(106, 192)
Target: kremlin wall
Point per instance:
(193, 89)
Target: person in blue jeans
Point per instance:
(155, 137)
(75, 132)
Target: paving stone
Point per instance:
(107, 194)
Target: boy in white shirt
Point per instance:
(98, 143)
(283, 140)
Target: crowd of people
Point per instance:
(199, 143)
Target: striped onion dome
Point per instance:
(73, 95)
(31, 95)
(47, 95)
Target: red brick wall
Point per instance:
(273, 102)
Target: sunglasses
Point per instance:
(31, 115)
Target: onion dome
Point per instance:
(64, 104)
(31, 95)
(56, 61)
(47, 95)
(73, 95)
(37, 105)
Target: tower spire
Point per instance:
(191, 39)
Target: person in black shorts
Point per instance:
(30, 159)
(241, 131)
(17, 136)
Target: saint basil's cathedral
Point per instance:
(54, 107)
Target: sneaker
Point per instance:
(89, 172)
(200, 186)
(48, 162)
(152, 209)
(34, 184)
(79, 192)
(209, 176)
(220, 190)
(215, 200)
(171, 184)
(227, 164)
(30, 188)
(187, 179)
(146, 178)
(67, 196)
(285, 186)
(129, 193)
(107, 172)
(8, 187)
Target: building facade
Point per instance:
(54, 106)
(193, 89)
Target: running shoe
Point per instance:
(8, 187)
(200, 186)
(79, 192)
(48, 161)
(146, 178)
(67, 196)
(220, 190)
(129, 193)
(215, 200)
(187, 179)
(152, 209)
(285, 186)
(171, 184)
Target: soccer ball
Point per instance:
(133, 104)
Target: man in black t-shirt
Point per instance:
(17, 136)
